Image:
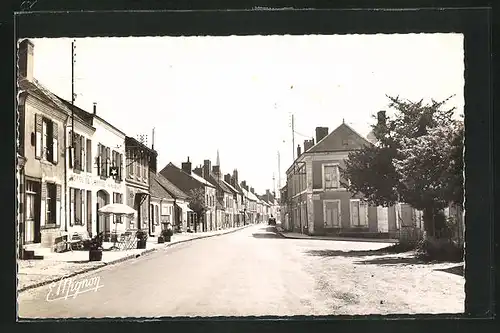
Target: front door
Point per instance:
(33, 202)
(103, 222)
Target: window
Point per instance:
(145, 169)
(46, 141)
(117, 198)
(130, 163)
(77, 206)
(157, 215)
(89, 156)
(331, 211)
(358, 213)
(330, 176)
(51, 204)
(89, 208)
(138, 166)
(78, 152)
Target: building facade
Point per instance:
(318, 202)
(138, 161)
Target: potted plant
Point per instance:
(161, 239)
(142, 238)
(167, 234)
(95, 248)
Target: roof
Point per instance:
(192, 176)
(220, 183)
(88, 116)
(249, 195)
(132, 142)
(335, 140)
(156, 189)
(173, 190)
(230, 187)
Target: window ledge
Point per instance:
(49, 226)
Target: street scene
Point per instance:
(265, 273)
(199, 176)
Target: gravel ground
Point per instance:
(255, 272)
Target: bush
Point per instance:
(441, 250)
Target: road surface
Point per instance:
(254, 272)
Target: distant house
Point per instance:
(186, 180)
(317, 202)
(225, 199)
(174, 210)
(239, 211)
(250, 203)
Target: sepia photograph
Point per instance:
(235, 176)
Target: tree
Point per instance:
(417, 159)
(197, 203)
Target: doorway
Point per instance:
(33, 202)
(102, 222)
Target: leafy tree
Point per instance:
(197, 203)
(417, 159)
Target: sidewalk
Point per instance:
(296, 235)
(54, 266)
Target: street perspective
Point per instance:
(205, 176)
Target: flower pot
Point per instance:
(168, 238)
(95, 255)
(161, 240)
(141, 244)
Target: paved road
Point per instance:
(246, 273)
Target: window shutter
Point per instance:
(108, 156)
(82, 155)
(120, 169)
(38, 136)
(58, 204)
(71, 206)
(89, 155)
(98, 159)
(82, 200)
(363, 213)
(55, 146)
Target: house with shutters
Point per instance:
(138, 159)
(317, 202)
(170, 203)
(249, 203)
(41, 172)
(95, 176)
(239, 209)
(187, 181)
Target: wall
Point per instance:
(43, 170)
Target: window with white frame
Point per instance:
(358, 211)
(331, 176)
(331, 213)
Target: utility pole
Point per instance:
(279, 172)
(293, 138)
(153, 140)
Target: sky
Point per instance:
(236, 94)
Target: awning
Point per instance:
(183, 206)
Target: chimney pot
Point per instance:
(321, 132)
(25, 61)
(95, 108)
(298, 151)
(186, 166)
(381, 118)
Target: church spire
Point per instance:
(218, 159)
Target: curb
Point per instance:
(338, 239)
(113, 262)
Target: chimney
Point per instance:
(268, 192)
(216, 171)
(186, 166)
(321, 132)
(252, 190)
(244, 184)
(207, 166)
(235, 176)
(25, 61)
(199, 171)
(95, 108)
(298, 151)
(308, 144)
(381, 118)
(227, 179)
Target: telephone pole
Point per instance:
(279, 173)
(293, 138)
